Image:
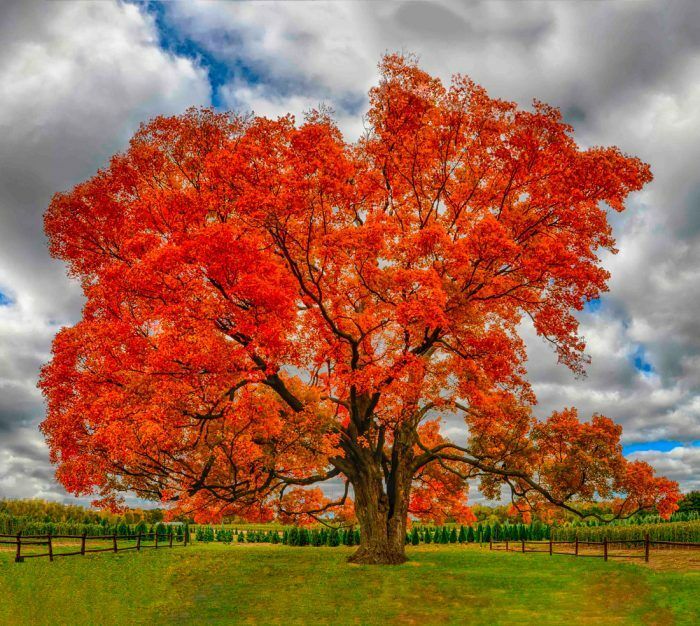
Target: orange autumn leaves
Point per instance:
(265, 299)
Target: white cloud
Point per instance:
(76, 79)
(681, 464)
(261, 101)
(301, 46)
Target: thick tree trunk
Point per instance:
(381, 506)
(381, 534)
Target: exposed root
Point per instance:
(377, 557)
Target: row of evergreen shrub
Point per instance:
(479, 533)
(11, 525)
(349, 537)
(292, 537)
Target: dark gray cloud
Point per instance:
(430, 19)
(469, 23)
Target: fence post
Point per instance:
(506, 545)
(48, 537)
(523, 542)
(114, 541)
(576, 546)
(646, 548)
(171, 541)
(155, 536)
(605, 548)
(490, 544)
(138, 542)
(550, 545)
(82, 544)
(18, 556)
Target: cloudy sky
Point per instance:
(76, 78)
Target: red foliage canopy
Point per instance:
(269, 306)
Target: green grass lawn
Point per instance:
(264, 584)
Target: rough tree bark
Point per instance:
(382, 488)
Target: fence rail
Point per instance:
(550, 545)
(159, 540)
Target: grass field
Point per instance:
(264, 584)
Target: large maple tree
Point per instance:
(269, 307)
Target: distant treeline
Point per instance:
(39, 517)
(45, 511)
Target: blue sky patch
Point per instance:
(5, 299)
(592, 306)
(221, 55)
(172, 40)
(663, 445)
(640, 361)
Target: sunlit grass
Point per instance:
(264, 584)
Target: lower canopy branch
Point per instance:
(315, 513)
(437, 454)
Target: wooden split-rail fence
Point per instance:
(20, 541)
(550, 546)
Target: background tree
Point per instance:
(690, 502)
(269, 307)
